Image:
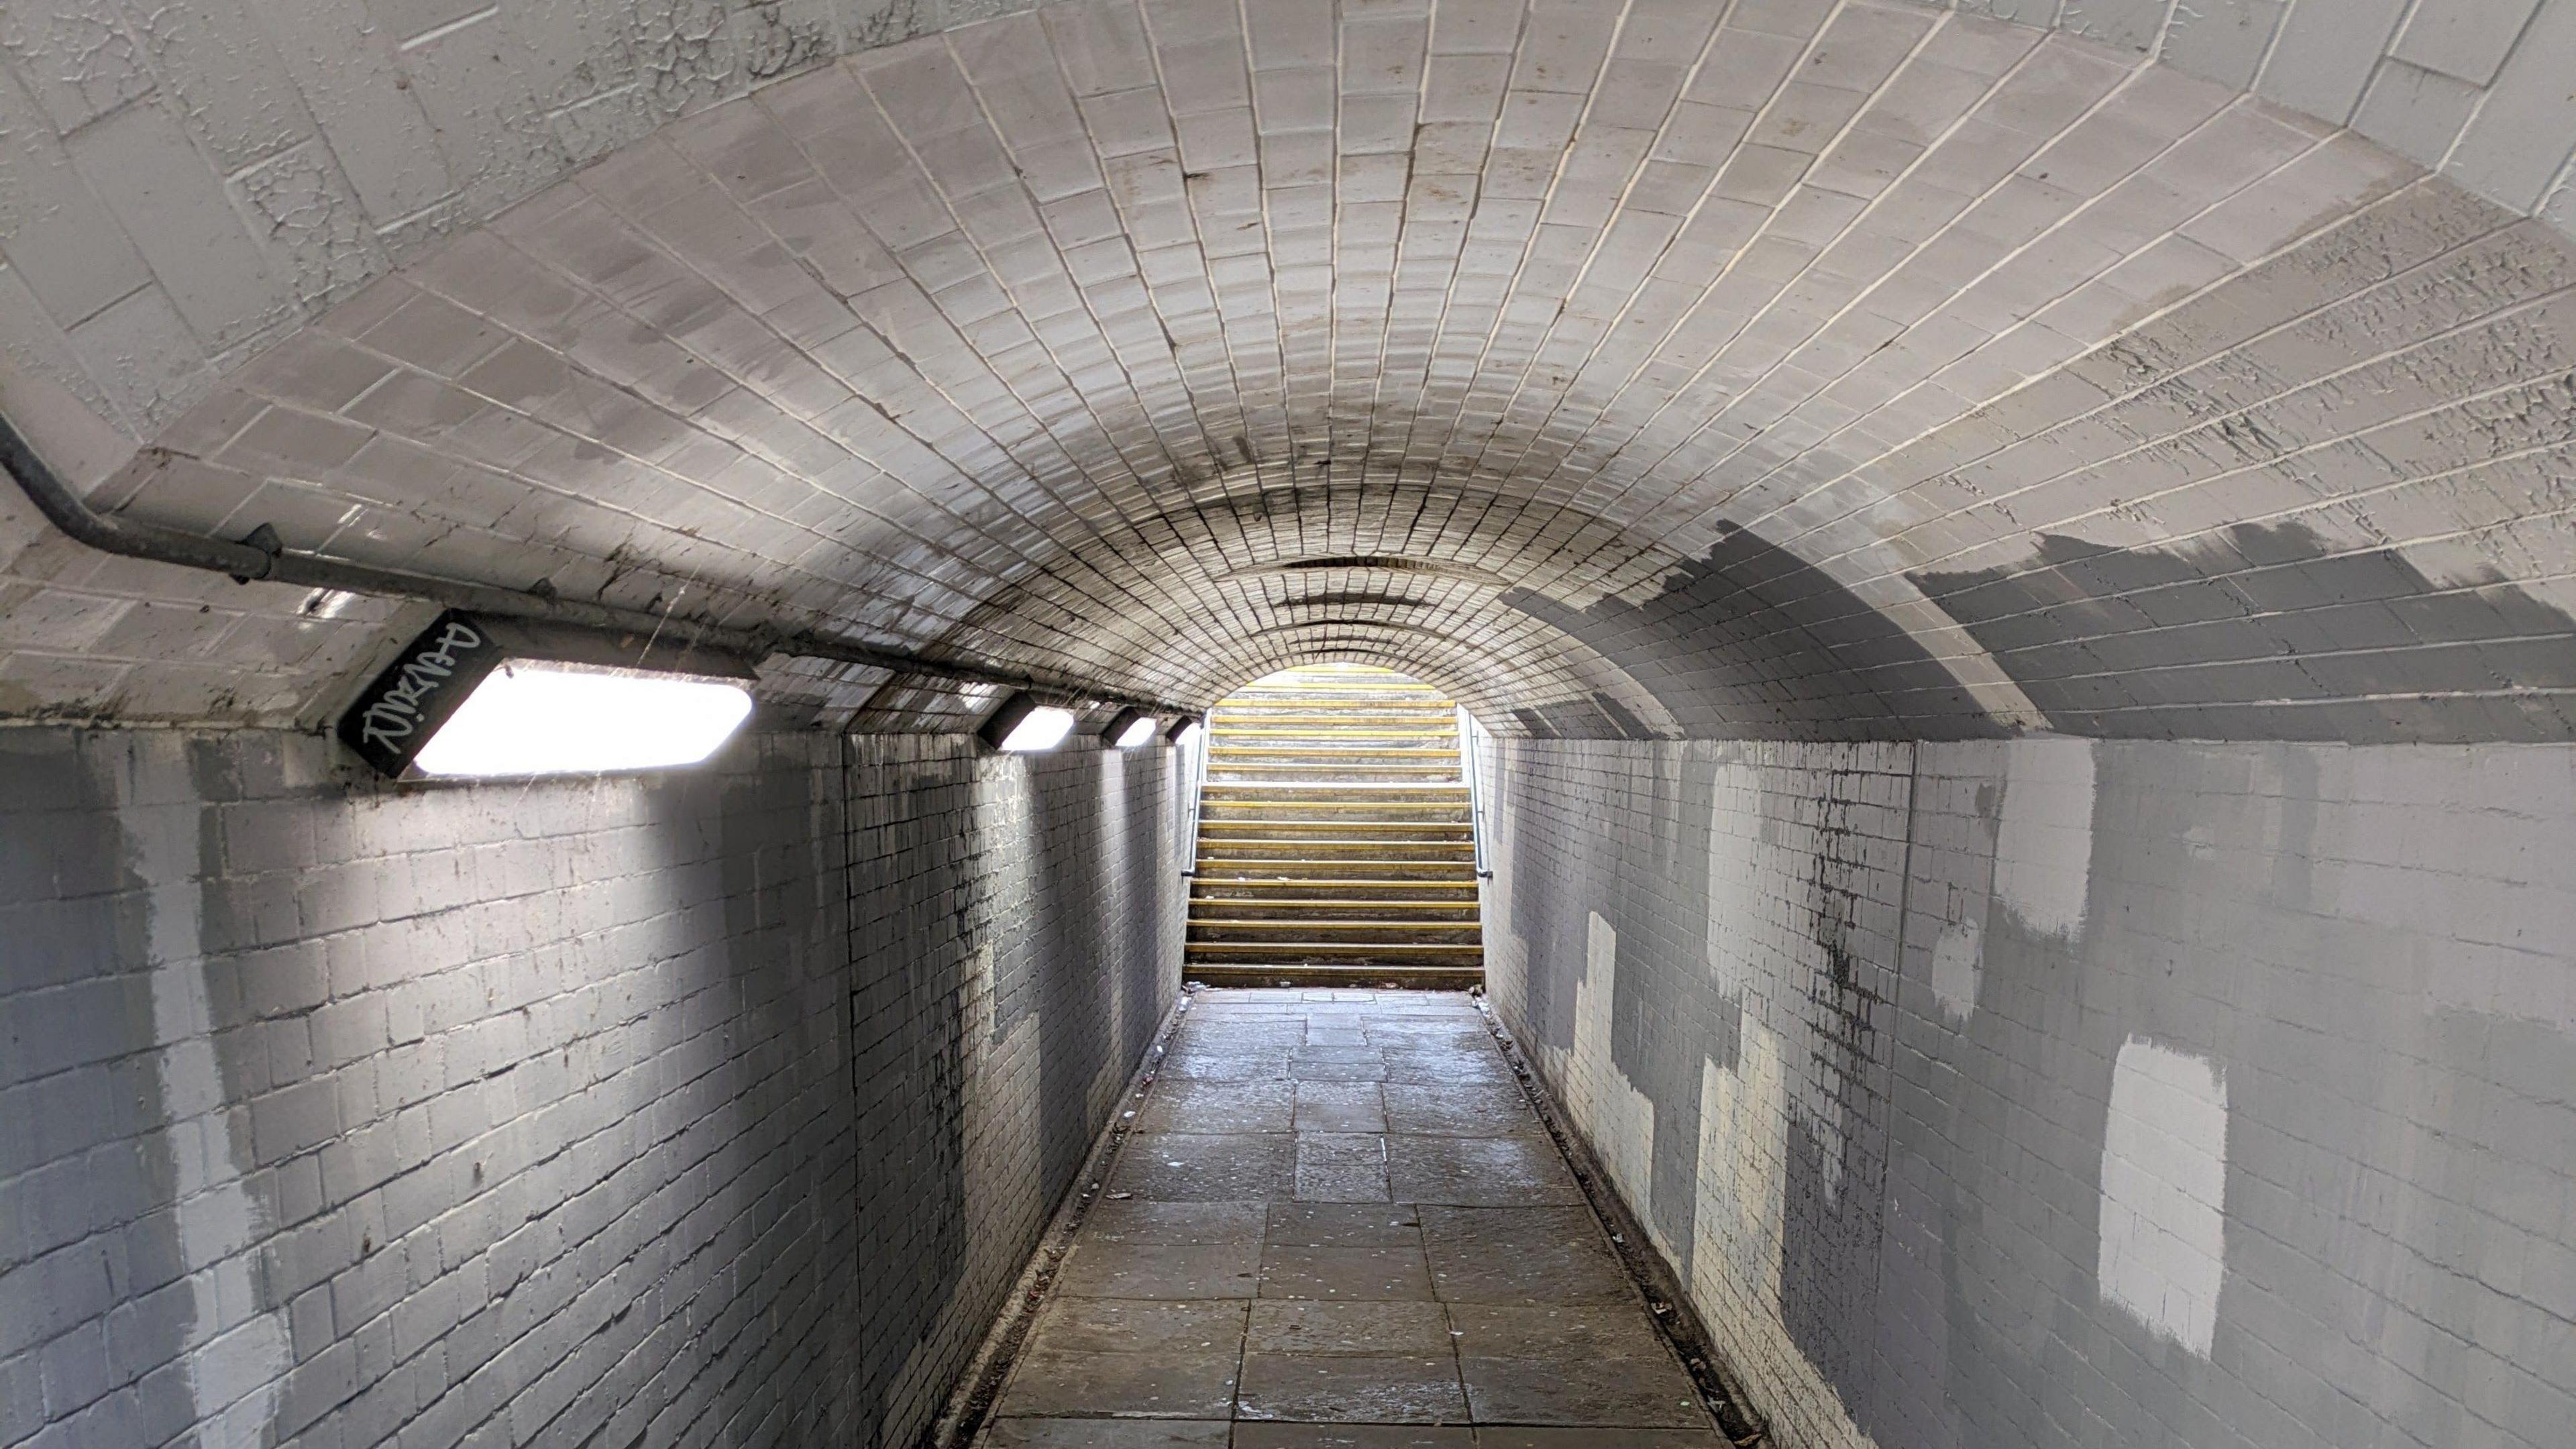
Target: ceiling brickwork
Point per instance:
(1672, 367)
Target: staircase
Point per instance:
(1335, 840)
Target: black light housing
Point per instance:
(479, 696)
(1023, 724)
(1179, 733)
(1131, 729)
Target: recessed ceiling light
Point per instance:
(1023, 726)
(478, 698)
(1131, 729)
(528, 718)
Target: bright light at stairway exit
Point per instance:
(1335, 836)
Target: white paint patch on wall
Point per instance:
(1742, 1175)
(1958, 957)
(1734, 874)
(2044, 846)
(236, 1353)
(1738, 1239)
(2164, 1181)
(1617, 1118)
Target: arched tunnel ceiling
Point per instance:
(1765, 367)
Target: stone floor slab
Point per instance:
(1337, 1224)
(1110, 1434)
(1215, 1167)
(1542, 1255)
(1344, 1273)
(1369, 1068)
(1121, 1325)
(1220, 1066)
(1351, 1436)
(1136, 1220)
(1588, 1364)
(1533, 1437)
(1340, 1107)
(1100, 1269)
(1202, 1105)
(1479, 1172)
(1417, 1329)
(1050, 1384)
(1352, 1388)
(1341, 1167)
(1470, 1109)
(1213, 1296)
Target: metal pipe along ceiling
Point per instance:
(263, 559)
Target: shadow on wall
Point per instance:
(2265, 632)
(1015, 942)
(1753, 641)
(357, 1051)
(2214, 1098)
(1704, 942)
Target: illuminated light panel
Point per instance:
(1139, 731)
(1042, 728)
(1186, 731)
(529, 718)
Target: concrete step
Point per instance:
(1388, 976)
(1385, 792)
(1444, 789)
(1361, 827)
(1327, 908)
(1443, 751)
(1454, 888)
(1330, 724)
(1254, 815)
(1329, 952)
(1294, 875)
(1341, 932)
(1299, 773)
(1320, 845)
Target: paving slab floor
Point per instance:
(1337, 1222)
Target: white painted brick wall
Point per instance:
(429, 1117)
(2339, 1221)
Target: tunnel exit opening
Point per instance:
(1337, 836)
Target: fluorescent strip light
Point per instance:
(1131, 730)
(1184, 732)
(1042, 728)
(531, 718)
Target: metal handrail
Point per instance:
(1471, 764)
(1194, 769)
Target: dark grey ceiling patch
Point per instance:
(1751, 640)
(2265, 631)
(1384, 563)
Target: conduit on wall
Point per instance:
(263, 557)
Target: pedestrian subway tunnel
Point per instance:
(2014, 559)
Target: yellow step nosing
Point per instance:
(1446, 948)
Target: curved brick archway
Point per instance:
(1770, 368)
